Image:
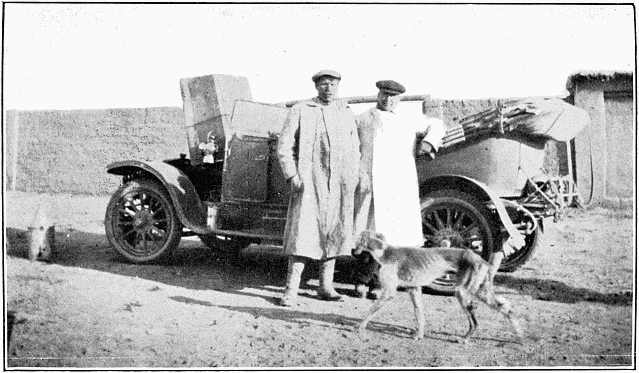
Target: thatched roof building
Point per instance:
(597, 76)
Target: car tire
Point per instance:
(517, 259)
(462, 220)
(141, 222)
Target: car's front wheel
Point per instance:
(141, 222)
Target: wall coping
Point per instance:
(594, 76)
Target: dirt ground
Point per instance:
(90, 308)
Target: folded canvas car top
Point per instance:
(549, 118)
(552, 118)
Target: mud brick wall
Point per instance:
(555, 157)
(67, 151)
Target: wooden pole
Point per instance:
(364, 99)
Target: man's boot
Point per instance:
(374, 293)
(293, 278)
(326, 290)
(360, 290)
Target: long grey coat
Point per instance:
(321, 144)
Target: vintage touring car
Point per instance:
(484, 190)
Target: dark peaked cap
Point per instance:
(390, 87)
(322, 73)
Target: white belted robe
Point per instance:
(387, 147)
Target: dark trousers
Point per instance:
(366, 270)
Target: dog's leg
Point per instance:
(477, 278)
(468, 307)
(502, 306)
(418, 304)
(495, 263)
(505, 305)
(387, 295)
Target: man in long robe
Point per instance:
(318, 150)
(388, 196)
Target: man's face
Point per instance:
(387, 102)
(327, 88)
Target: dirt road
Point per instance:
(90, 308)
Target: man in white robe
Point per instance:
(387, 199)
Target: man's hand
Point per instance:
(296, 183)
(426, 148)
(364, 183)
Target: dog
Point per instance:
(40, 237)
(414, 267)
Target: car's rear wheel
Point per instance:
(453, 217)
(517, 259)
(141, 222)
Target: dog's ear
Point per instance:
(365, 236)
(377, 242)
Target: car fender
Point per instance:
(477, 188)
(190, 209)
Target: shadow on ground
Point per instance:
(555, 291)
(195, 266)
(333, 321)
